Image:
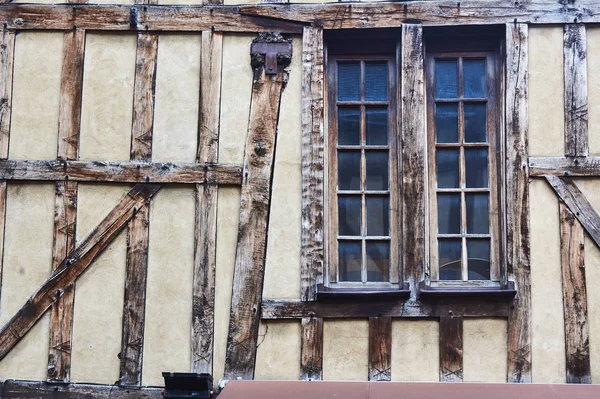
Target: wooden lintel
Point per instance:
(311, 352)
(122, 172)
(145, 18)
(564, 166)
(380, 349)
(576, 90)
(451, 349)
(74, 265)
(43, 390)
(431, 12)
(577, 342)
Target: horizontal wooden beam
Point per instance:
(564, 166)
(427, 12)
(139, 18)
(43, 390)
(343, 309)
(122, 172)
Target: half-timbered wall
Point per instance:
(111, 74)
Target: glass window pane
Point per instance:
(350, 260)
(349, 81)
(376, 81)
(378, 260)
(377, 170)
(377, 126)
(478, 214)
(348, 126)
(446, 123)
(478, 252)
(349, 210)
(448, 213)
(447, 167)
(446, 79)
(476, 165)
(475, 123)
(378, 221)
(349, 170)
(449, 259)
(474, 78)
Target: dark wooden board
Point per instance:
(451, 349)
(311, 352)
(380, 349)
(43, 390)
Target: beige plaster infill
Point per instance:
(484, 350)
(278, 353)
(415, 350)
(346, 350)
(593, 59)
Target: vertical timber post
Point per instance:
(451, 349)
(380, 348)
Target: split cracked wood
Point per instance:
(311, 349)
(451, 349)
(255, 202)
(138, 230)
(205, 233)
(74, 265)
(577, 344)
(564, 166)
(380, 348)
(576, 91)
(517, 209)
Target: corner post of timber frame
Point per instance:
(270, 54)
(517, 207)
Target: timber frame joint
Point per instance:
(271, 50)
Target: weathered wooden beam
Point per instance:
(65, 208)
(564, 166)
(427, 12)
(451, 349)
(311, 350)
(122, 172)
(413, 128)
(255, 202)
(139, 18)
(205, 249)
(517, 203)
(44, 390)
(313, 142)
(74, 265)
(577, 343)
(394, 308)
(578, 204)
(380, 349)
(576, 91)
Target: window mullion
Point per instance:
(363, 174)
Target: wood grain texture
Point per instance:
(517, 206)
(138, 230)
(43, 390)
(576, 90)
(7, 55)
(451, 349)
(577, 344)
(578, 204)
(121, 172)
(428, 12)
(313, 141)
(74, 265)
(249, 267)
(413, 128)
(205, 249)
(311, 352)
(564, 166)
(380, 349)
(149, 18)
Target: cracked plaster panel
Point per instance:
(282, 271)
(236, 90)
(593, 57)
(278, 354)
(548, 335)
(107, 105)
(484, 350)
(36, 94)
(99, 291)
(415, 350)
(169, 288)
(546, 91)
(27, 264)
(177, 97)
(346, 350)
(591, 190)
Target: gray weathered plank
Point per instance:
(313, 141)
(311, 350)
(576, 91)
(451, 349)
(577, 343)
(205, 249)
(564, 166)
(380, 348)
(43, 390)
(517, 204)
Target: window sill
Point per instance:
(326, 293)
(496, 293)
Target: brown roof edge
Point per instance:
(237, 389)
